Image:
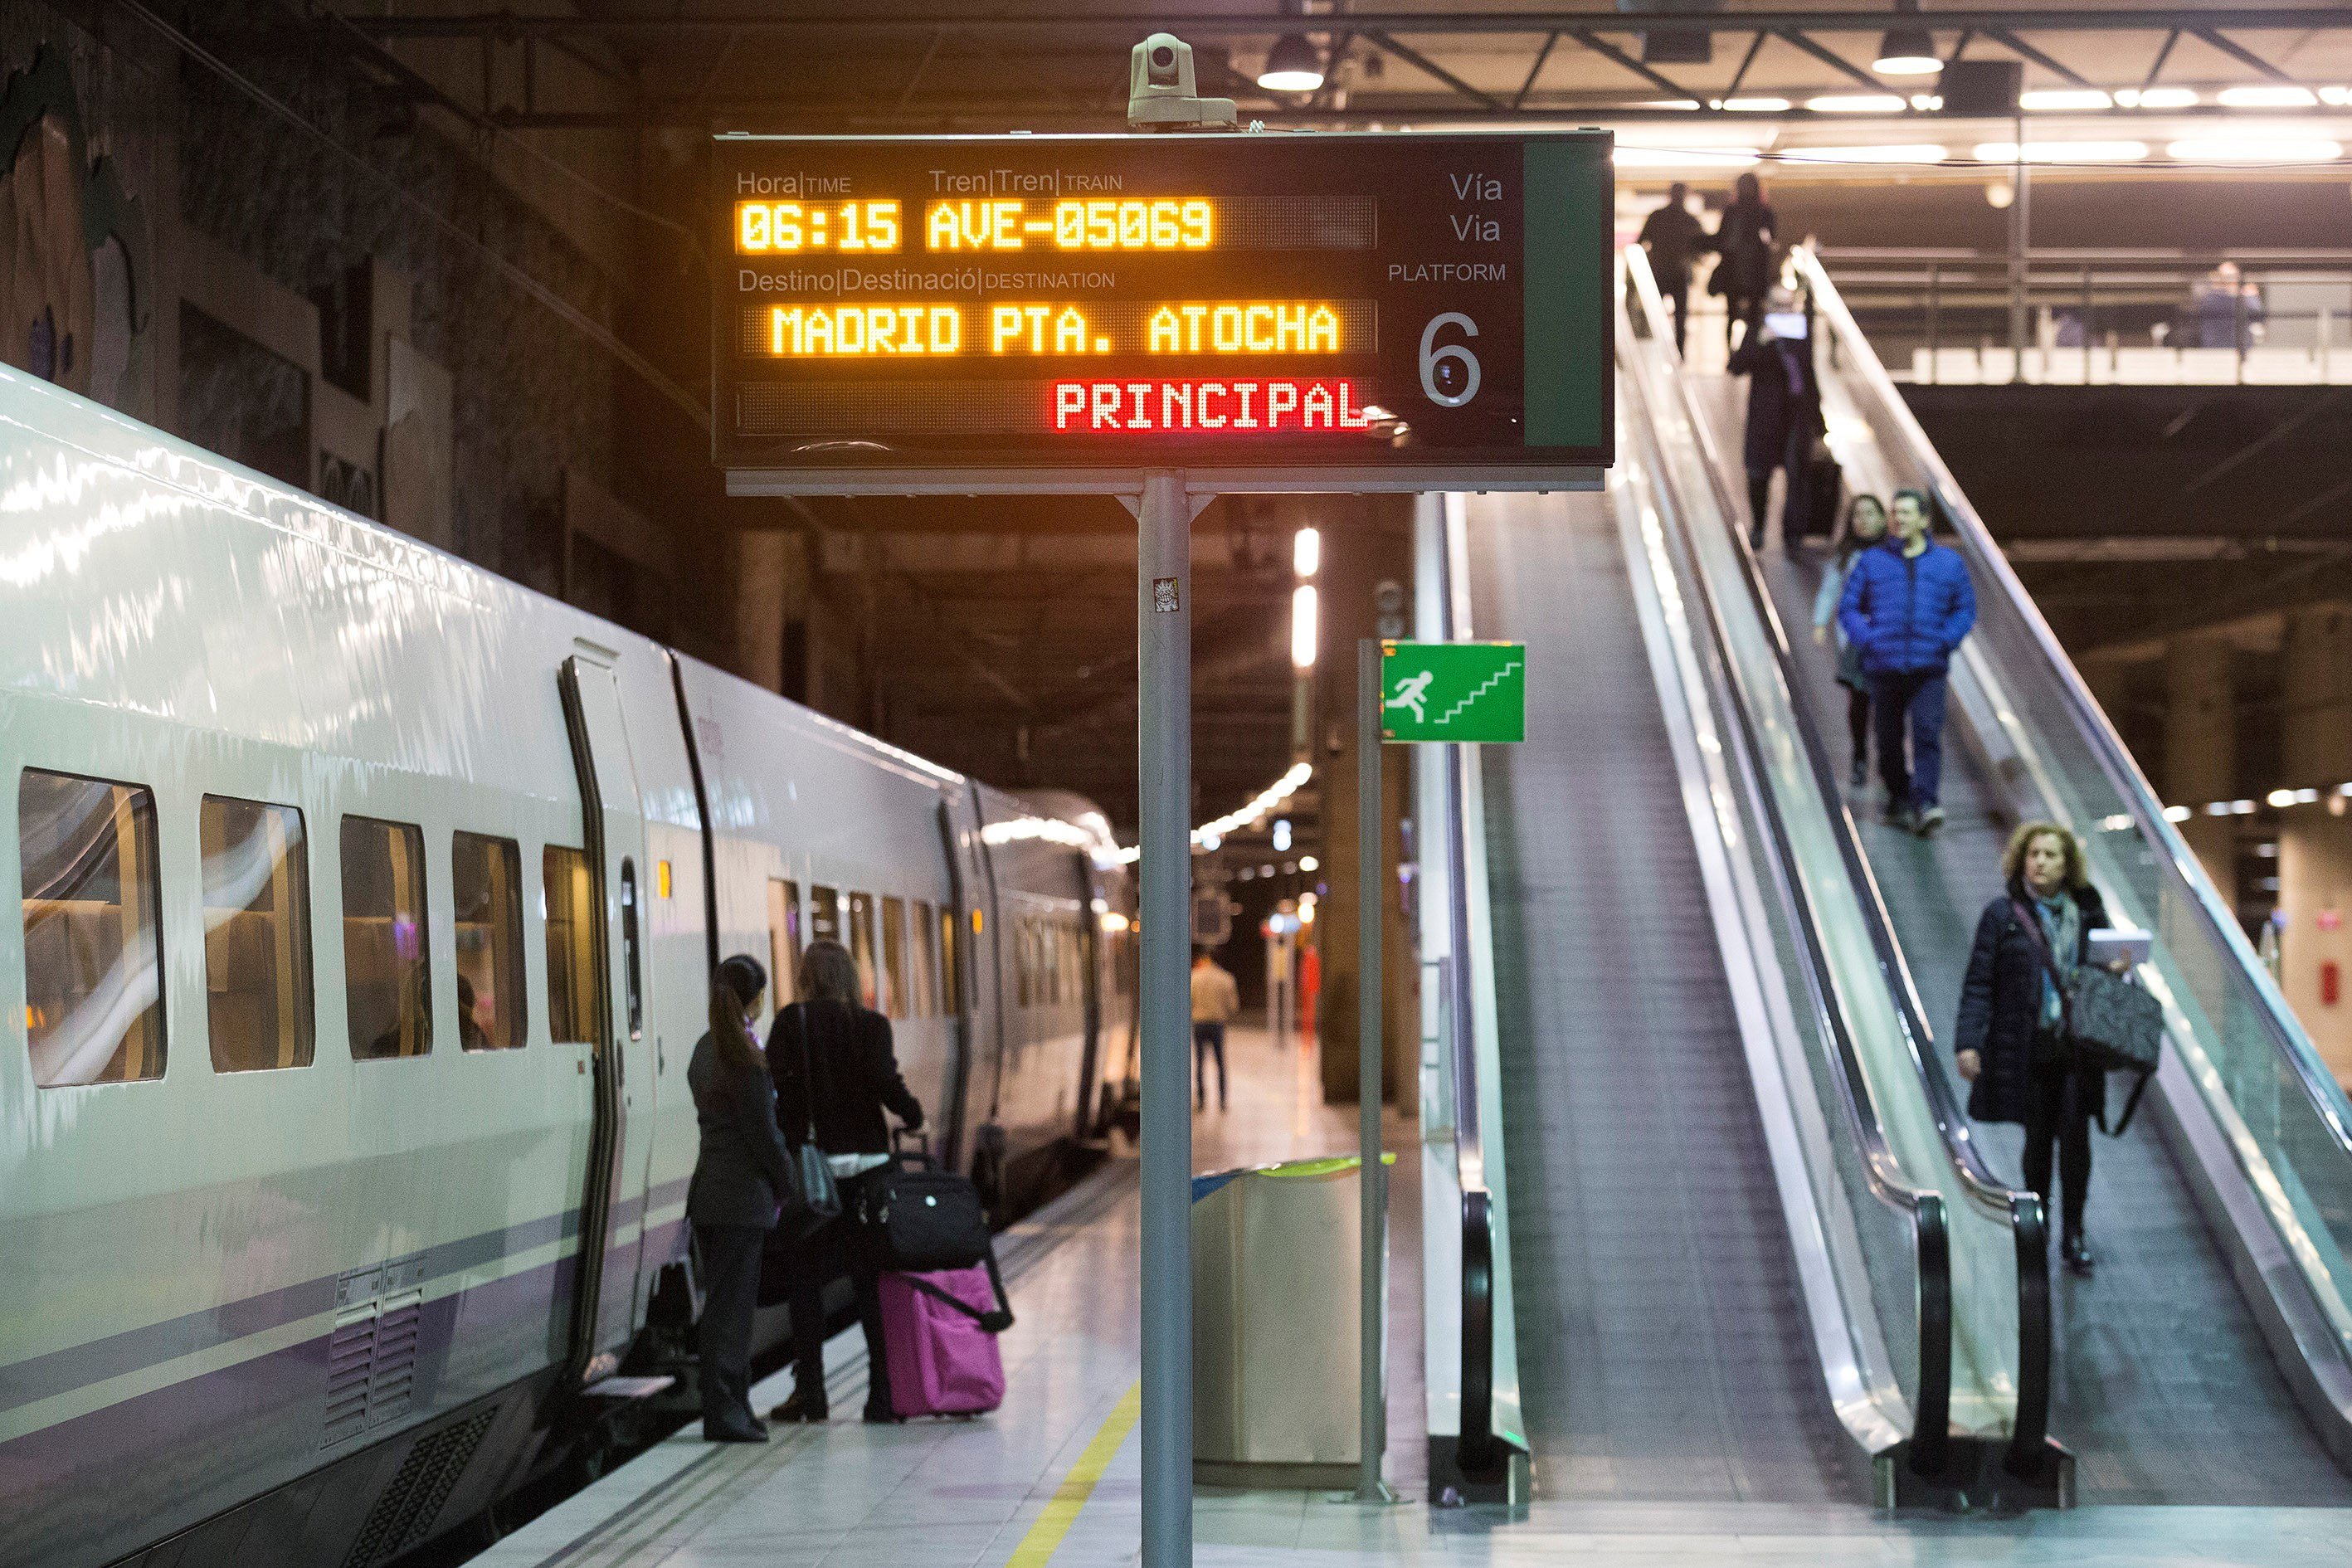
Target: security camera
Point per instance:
(1160, 89)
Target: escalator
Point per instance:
(1738, 1250)
(2205, 1363)
(1663, 1347)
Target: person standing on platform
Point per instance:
(1215, 1000)
(835, 1070)
(741, 1177)
(1865, 525)
(1675, 239)
(1746, 239)
(1908, 604)
(2012, 1041)
(1784, 415)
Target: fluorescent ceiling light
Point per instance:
(2277, 95)
(2255, 150)
(2336, 95)
(1921, 152)
(1671, 103)
(1855, 103)
(1683, 157)
(2157, 97)
(1292, 66)
(2062, 152)
(1753, 105)
(1927, 102)
(2062, 100)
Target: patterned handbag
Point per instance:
(2111, 1023)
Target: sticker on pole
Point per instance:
(1453, 692)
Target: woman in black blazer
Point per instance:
(2011, 1044)
(739, 1177)
(836, 1072)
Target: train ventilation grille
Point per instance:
(403, 1517)
(371, 1354)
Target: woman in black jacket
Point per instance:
(2012, 1040)
(739, 1177)
(836, 1073)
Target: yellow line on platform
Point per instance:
(1044, 1536)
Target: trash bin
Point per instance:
(1276, 1298)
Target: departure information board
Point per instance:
(1262, 311)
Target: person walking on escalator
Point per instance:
(1865, 525)
(1908, 604)
(1675, 239)
(836, 1071)
(1746, 239)
(741, 1177)
(1784, 415)
(2011, 1042)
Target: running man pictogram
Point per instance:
(1412, 693)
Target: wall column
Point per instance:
(2200, 750)
(771, 569)
(2314, 864)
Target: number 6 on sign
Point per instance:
(1429, 361)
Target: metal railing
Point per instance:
(2020, 1212)
(2286, 1120)
(2102, 317)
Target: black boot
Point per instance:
(2077, 1250)
(800, 1407)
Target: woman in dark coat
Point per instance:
(2012, 1040)
(1746, 239)
(836, 1071)
(739, 1177)
(1784, 417)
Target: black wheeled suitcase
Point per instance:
(1824, 481)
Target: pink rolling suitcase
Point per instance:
(939, 1333)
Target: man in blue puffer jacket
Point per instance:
(1908, 604)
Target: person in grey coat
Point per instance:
(1865, 525)
(740, 1178)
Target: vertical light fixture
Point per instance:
(1302, 627)
(1305, 560)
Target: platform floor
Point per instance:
(1052, 1479)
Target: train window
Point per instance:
(950, 977)
(387, 976)
(824, 915)
(575, 1000)
(258, 1001)
(861, 948)
(922, 965)
(93, 950)
(1021, 964)
(485, 878)
(632, 967)
(783, 939)
(894, 958)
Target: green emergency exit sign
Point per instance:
(1453, 692)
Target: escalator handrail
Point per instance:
(2283, 1030)
(2020, 1210)
(1475, 1445)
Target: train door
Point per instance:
(604, 1304)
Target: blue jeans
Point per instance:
(1912, 698)
(1207, 1039)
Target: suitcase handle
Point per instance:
(919, 1156)
(991, 1322)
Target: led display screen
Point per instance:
(1289, 310)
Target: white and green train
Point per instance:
(368, 906)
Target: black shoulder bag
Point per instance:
(820, 1194)
(2112, 1024)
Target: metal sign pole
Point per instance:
(1373, 1406)
(1164, 744)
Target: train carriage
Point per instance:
(368, 903)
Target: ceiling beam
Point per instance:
(1835, 63)
(1423, 63)
(2007, 39)
(1610, 52)
(1422, 24)
(2240, 52)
